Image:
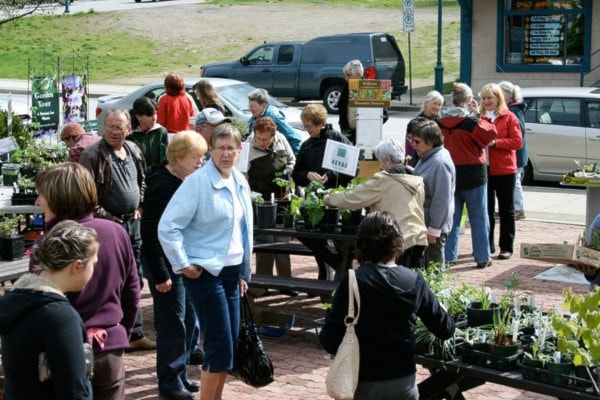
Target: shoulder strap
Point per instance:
(352, 318)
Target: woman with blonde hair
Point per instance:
(502, 166)
(207, 95)
(174, 316)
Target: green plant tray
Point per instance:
(569, 381)
(488, 360)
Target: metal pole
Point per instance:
(410, 71)
(439, 67)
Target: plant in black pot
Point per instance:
(481, 311)
(12, 245)
(25, 192)
(505, 332)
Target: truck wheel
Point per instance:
(331, 98)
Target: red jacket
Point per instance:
(174, 112)
(503, 156)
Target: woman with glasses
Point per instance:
(309, 168)
(174, 316)
(206, 234)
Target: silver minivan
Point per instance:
(563, 125)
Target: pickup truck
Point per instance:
(312, 70)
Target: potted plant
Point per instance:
(265, 211)
(579, 334)
(505, 331)
(25, 192)
(481, 311)
(428, 344)
(12, 245)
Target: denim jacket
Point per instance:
(197, 224)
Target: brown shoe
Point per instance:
(142, 344)
(519, 215)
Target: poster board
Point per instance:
(341, 157)
(242, 161)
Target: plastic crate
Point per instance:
(568, 381)
(274, 325)
(488, 360)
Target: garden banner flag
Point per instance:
(75, 102)
(44, 100)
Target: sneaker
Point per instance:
(504, 255)
(519, 215)
(142, 344)
(484, 264)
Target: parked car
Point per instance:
(563, 125)
(313, 70)
(19, 108)
(233, 94)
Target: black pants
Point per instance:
(132, 226)
(502, 187)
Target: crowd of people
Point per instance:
(152, 198)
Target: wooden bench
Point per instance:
(291, 248)
(302, 285)
(12, 270)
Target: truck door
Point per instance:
(259, 68)
(285, 71)
(592, 135)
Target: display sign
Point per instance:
(370, 93)
(543, 38)
(75, 102)
(408, 17)
(44, 100)
(242, 161)
(340, 157)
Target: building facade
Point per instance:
(530, 42)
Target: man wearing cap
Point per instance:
(207, 120)
(75, 138)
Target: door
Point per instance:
(555, 136)
(592, 124)
(259, 70)
(285, 71)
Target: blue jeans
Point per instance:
(216, 300)
(518, 194)
(476, 200)
(174, 321)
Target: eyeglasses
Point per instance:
(229, 149)
(310, 126)
(417, 141)
(115, 128)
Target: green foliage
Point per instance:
(257, 199)
(8, 225)
(580, 335)
(502, 325)
(18, 131)
(454, 298)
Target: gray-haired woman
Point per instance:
(437, 170)
(352, 70)
(395, 189)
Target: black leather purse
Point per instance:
(251, 363)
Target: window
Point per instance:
(262, 56)
(593, 112)
(286, 54)
(547, 35)
(554, 111)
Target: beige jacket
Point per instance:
(401, 194)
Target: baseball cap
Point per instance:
(211, 116)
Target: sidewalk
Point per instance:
(301, 365)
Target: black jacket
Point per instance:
(34, 318)
(161, 185)
(391, 300)
(310, 158)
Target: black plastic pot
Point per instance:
(266, 215)
(478, 317)
(12, 248)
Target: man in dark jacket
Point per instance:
(117, 167)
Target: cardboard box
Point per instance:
(581, 258)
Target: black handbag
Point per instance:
(251, 363)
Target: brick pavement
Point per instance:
(301, 365)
